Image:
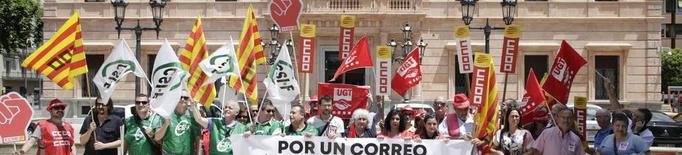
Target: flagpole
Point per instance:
(467, 84)
(92, 107)
(225, 85)
(504, 91)
(293, 49)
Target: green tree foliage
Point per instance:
(671, 69)
(21, 26)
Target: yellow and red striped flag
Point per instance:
(190, 57)
(62, 57)
(484, 96)
(250, 54)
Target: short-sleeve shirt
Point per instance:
(633, 144)
(220, 135)
(272, 127)
(180, 135)
(553, 141)
(290, 131)
(466, 126)
(134, 134)
(601, 134)
(336, 124)
(107, 131)
(513, 142)
(647, 136)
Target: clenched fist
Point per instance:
(15, 114)
(286, 13)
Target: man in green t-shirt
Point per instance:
(179, 133)
(298, 126)
(264, 124)
(221, 129)
(140, 128)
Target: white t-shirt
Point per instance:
(465, 127)
(335, 124)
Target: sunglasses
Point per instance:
(58, 108)
(185, 98)
(270, 111)
(141, 102)
(242, 117)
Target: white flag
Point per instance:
(281, 82)
(120, 62)
(168, 77)
(222, 62)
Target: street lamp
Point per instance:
(508, 13)
(468, 7)
(120, 13)
(422, 48)
(274, 33)
(397, 58)
(407, 46)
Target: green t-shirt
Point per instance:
(134, 136)
(180, 135)
(220, 135)
(289, 131)
(272, 127)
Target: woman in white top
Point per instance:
(512, 139)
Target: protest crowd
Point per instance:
(182, 117)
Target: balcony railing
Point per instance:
(16, 74)
(363, 6)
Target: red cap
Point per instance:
(421, 112)
(461, 102)
(55, 103)
(408, 108)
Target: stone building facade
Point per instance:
(620, 39)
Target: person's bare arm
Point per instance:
(162, 131)
(110, 145)
(197, 116)
(85, 137)
(613, 97)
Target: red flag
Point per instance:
(566, 65)
(359, 57)
(345, 98)
(534, 97)
(409, 74)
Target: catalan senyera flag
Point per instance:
(250, 54)
(484, 96)
(190, 57)
(62, 57)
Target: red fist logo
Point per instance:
(15, 115)
(285, 13)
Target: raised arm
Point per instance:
(158, 136)
(197, 116)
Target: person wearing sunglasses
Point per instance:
(179, 132)
(106, 128)
(220, 129)
(50, 132)
(140, 128)
(243, 116)
(265, 124)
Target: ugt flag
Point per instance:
(566, 64)
(168, 77)
(281, 82)
(409, 74)
(223, 62)
(119, 63)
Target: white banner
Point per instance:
(383, 69)
(345, 146)
(464, 54)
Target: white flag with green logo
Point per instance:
(168, 77)
(120, 62)
(281, 83)
(222, 62)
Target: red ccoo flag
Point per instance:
(409, 74)
(566, 65)
(534, 97)
(359, 57)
